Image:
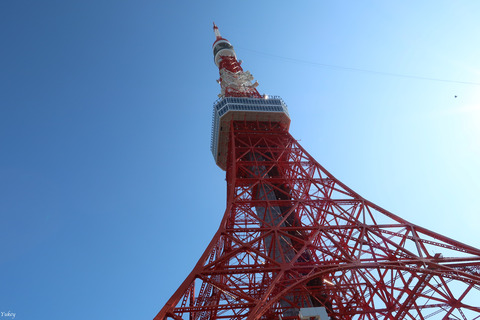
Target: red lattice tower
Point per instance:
(296, 243)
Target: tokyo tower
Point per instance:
(296, 243)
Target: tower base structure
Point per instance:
(295, 239)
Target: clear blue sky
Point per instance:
(108, 191)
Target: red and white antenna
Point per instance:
(233, 81)
(217, 32)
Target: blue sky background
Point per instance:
(108, 191)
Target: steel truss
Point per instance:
(293, 236)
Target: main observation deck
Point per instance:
(226, 109)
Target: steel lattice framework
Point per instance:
(295, 237)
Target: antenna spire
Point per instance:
(217, 32)
(234, 82)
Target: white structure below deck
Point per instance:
(318, 313)
(270, 109)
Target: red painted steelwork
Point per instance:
(294, 236)
(231, 64)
